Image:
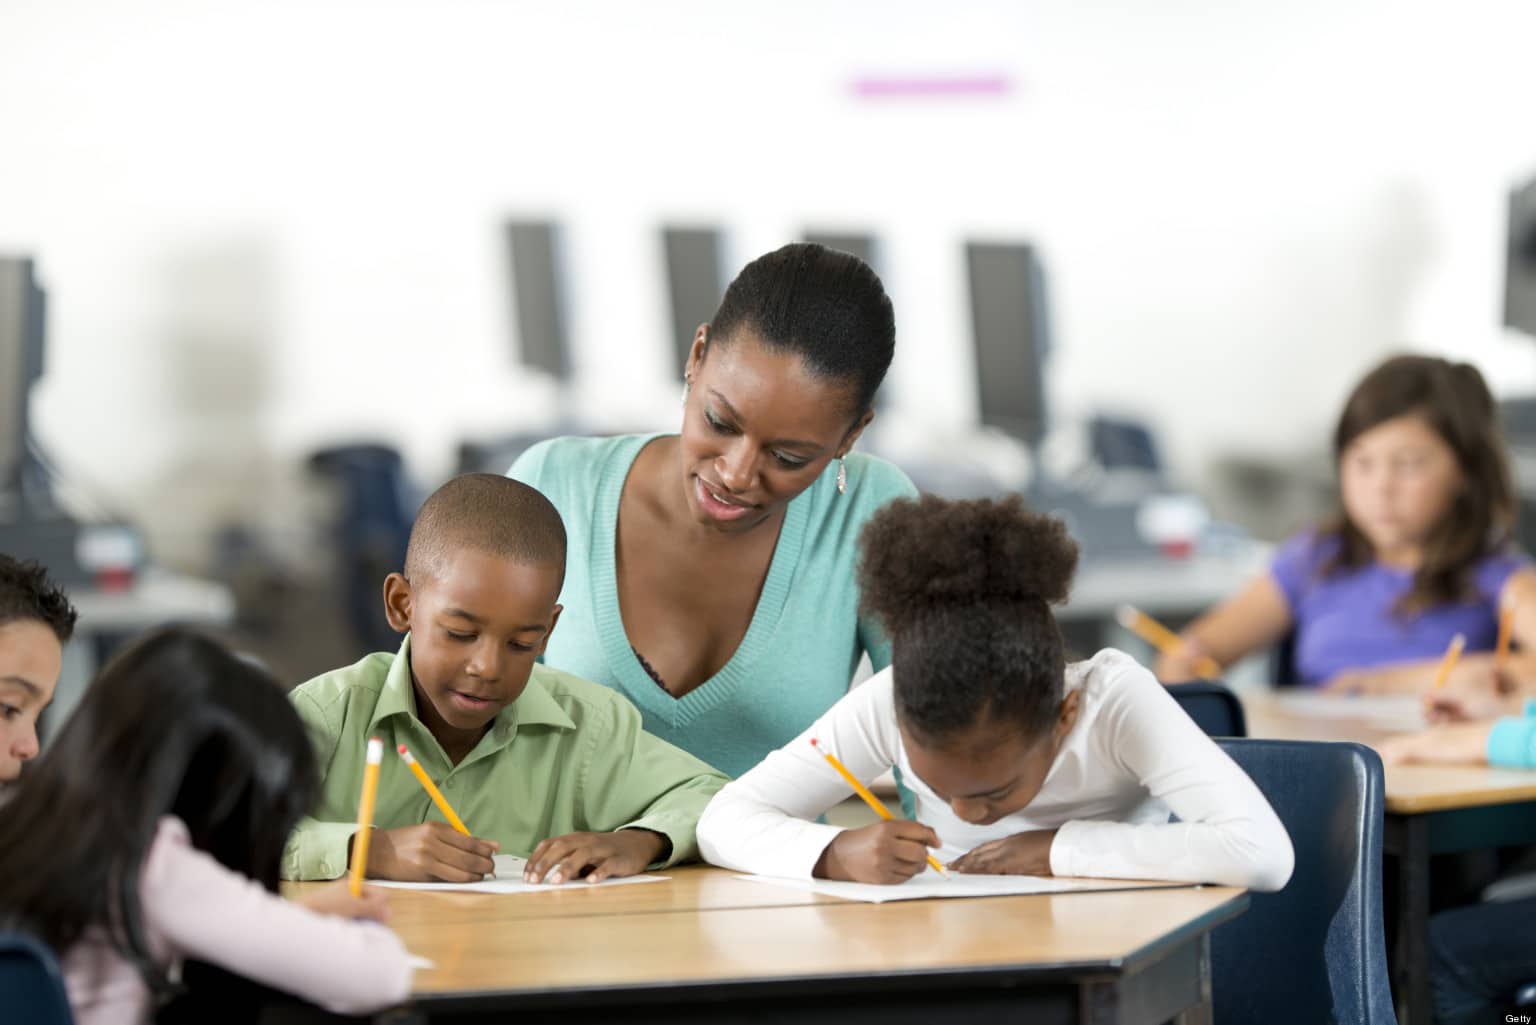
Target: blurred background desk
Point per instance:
(108, 617)
(1430, 809)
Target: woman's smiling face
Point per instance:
(758, 429)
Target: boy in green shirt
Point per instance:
(536, 762)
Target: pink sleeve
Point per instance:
(202, 910)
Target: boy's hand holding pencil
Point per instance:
(433, 852)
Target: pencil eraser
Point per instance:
(403, 750)
(814, 744)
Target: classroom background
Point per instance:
(269, 231)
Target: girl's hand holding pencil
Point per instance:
(335, 898)
(891, 851)
(887, 852)
(1178, 658)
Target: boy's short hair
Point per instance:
(27, 593)
(488, 513)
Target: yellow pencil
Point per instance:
(1452, 653)
(869, 798)
(365, 813)
(1506, 623)
(1164, 639)
(434, 793)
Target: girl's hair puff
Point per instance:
(964, 590)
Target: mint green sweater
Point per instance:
(805, 638)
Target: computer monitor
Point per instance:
(539, 298)
(860, 245)
(1520, 262)
(1011, 334)
(695, 284)
(23, 316)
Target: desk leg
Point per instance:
(1155, 994)
(1411, 981)
(1201, 1013)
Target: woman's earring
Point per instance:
(842, 476)
(687, 384)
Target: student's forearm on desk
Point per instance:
(317, 850)
(1512, 741)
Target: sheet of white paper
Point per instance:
(508, 878)
(956, 884)
(1388, 711)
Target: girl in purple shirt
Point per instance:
(1419, 552)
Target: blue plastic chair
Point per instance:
(31, 987)
(1214, 708)
(1282, 662)
(1315, 951)
(371, 532)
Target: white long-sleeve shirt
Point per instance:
(195, 907)
(1131, 758)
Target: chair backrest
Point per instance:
(1315, 951)
(372, 530)
(31, 987)
(1282, 662)
(1214, 708)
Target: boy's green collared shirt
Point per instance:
(566, 756)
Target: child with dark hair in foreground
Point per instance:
(150, 835)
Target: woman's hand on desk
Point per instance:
(595, 856)
(1463, 744)
(433, 852)
(887, 852)
(1022, 854)
(335, 898)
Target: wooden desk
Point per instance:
(1430, 810)
(706, 947)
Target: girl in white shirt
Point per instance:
(1017, 762)
(151, 832)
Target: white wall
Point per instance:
(269, 225)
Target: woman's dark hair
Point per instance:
(175, 725)
(964, 590)
(826, 306)
(1454, 401)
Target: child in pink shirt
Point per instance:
(151, 832)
